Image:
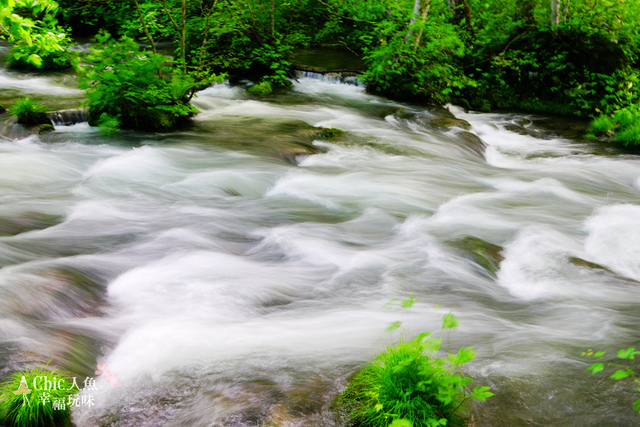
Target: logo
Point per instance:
(62, 393)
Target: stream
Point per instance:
(238, 272)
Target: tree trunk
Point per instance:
(144, 27)
(273, 19)
(461, 12)
(416, 12)
(566, 11)
(424, 6)
(524, 12)
(555, 13)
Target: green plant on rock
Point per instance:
(624, 125)
(623, 369)
(140, 89)
(30, 113)
(408, 385)
(25, 400)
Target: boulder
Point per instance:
(448, 122)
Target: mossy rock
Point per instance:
(579, 262)
(483, 253)
(448, 122)
(34, 118)
(46, 128)
(261, 89)
(330, 133)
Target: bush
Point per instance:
(35, 408)
(626, 124)
(30, 113)
(407, 385)
(139, 89)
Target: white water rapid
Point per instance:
(230, 278)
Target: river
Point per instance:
(231, 279)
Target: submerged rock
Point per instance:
(448, 122)
(398, 113)
(483, 253)
(472, 142)
(27, 222)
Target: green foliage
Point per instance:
(31, 25)
(47, 49)
(408, 385)
(30, 113)
(429, 70)
(136, 88)
(602, 125)
(623, 370)
(36, 407)
(624, 125)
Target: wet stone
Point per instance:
(448, 122)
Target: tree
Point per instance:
(38, 37)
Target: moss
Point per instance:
(261, 89)
(46, 128)
(331, 133)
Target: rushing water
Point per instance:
(231, 279)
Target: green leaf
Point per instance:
(620, 374)
(401, 422)
(596, 367)
(626, 354)
(393, 326)
(481, 393)
(449, 321)
(636, 406)
(409, 302)
(463, 356)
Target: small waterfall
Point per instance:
(69, 117)
(338, 77)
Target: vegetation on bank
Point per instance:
(575, 58)
(409, 386)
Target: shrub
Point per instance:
(602, 125)
(31, 407)
(139, 89)
(30, 113)
(408, 385)
(626, 124)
